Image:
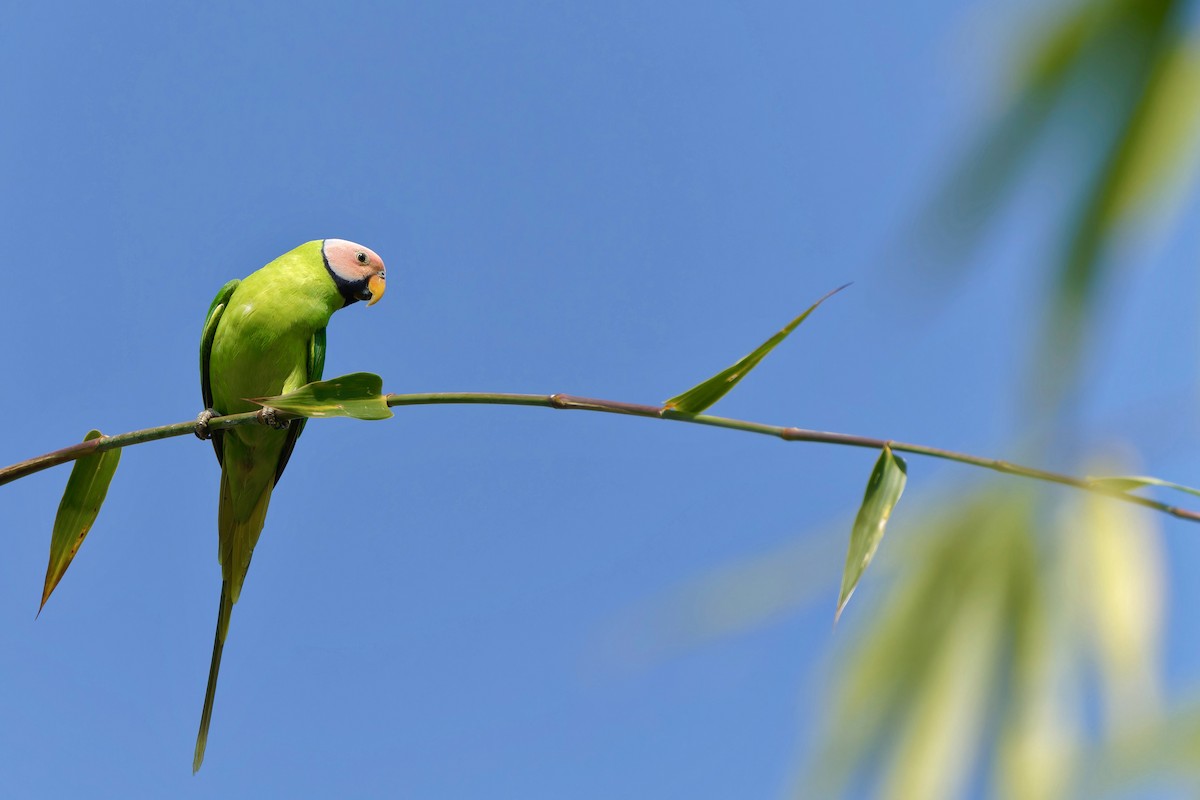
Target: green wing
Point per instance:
(316, 356)
(316, 368)
(215, 310)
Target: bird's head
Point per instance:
(357, 270)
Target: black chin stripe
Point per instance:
(349, 290)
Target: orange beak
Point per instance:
(376, 286)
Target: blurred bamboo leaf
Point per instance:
(1163, 152)
(878, 698)
(986, 616)
(953, 220)
(1113, 87)
(732, 599)
(358, 395)
(941, 734)
(1118, 75)
(883, 492)
(1143, 756)
(1132, 482)
(1118, 574)
(1056, 46)
(705, 394)
(77, 511)
(1041, 724)
(1113, 84)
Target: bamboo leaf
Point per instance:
(1116, 558)
(1133, 67)
(705, 394)
(883, 491)
(1164, 749)
(1161, 154)
(80, 504)
(358, 395)
(945, 719)
(1131, 482)
(891, 675)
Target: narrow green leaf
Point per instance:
(704, 395)
(81, 501)
(1132, 482)
(1160, 154)
(358, 395)
(883, 491)
(1054, 48)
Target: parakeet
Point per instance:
(265, 336)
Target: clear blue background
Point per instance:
(612, 200)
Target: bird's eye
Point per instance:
(361, 257)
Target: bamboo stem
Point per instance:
(574, 403)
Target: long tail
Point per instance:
(218, 646)
(240, 517)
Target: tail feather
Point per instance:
(240, 521)
(218, 645)
(240, 517)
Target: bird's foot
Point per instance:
(269, 416)
(202, 420)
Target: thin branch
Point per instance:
(53, 459)
(790, 434)
(571, 402)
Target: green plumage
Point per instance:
(263, 336)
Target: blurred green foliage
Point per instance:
(1011, 644)
(1015, 614)
(1112, 87)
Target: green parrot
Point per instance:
(265, 336)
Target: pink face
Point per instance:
(357, 270)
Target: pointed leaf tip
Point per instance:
(357, 395)
(883, 492)
(705, 394)
(1129, 483)
(86, 489)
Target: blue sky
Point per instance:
(610, 201)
